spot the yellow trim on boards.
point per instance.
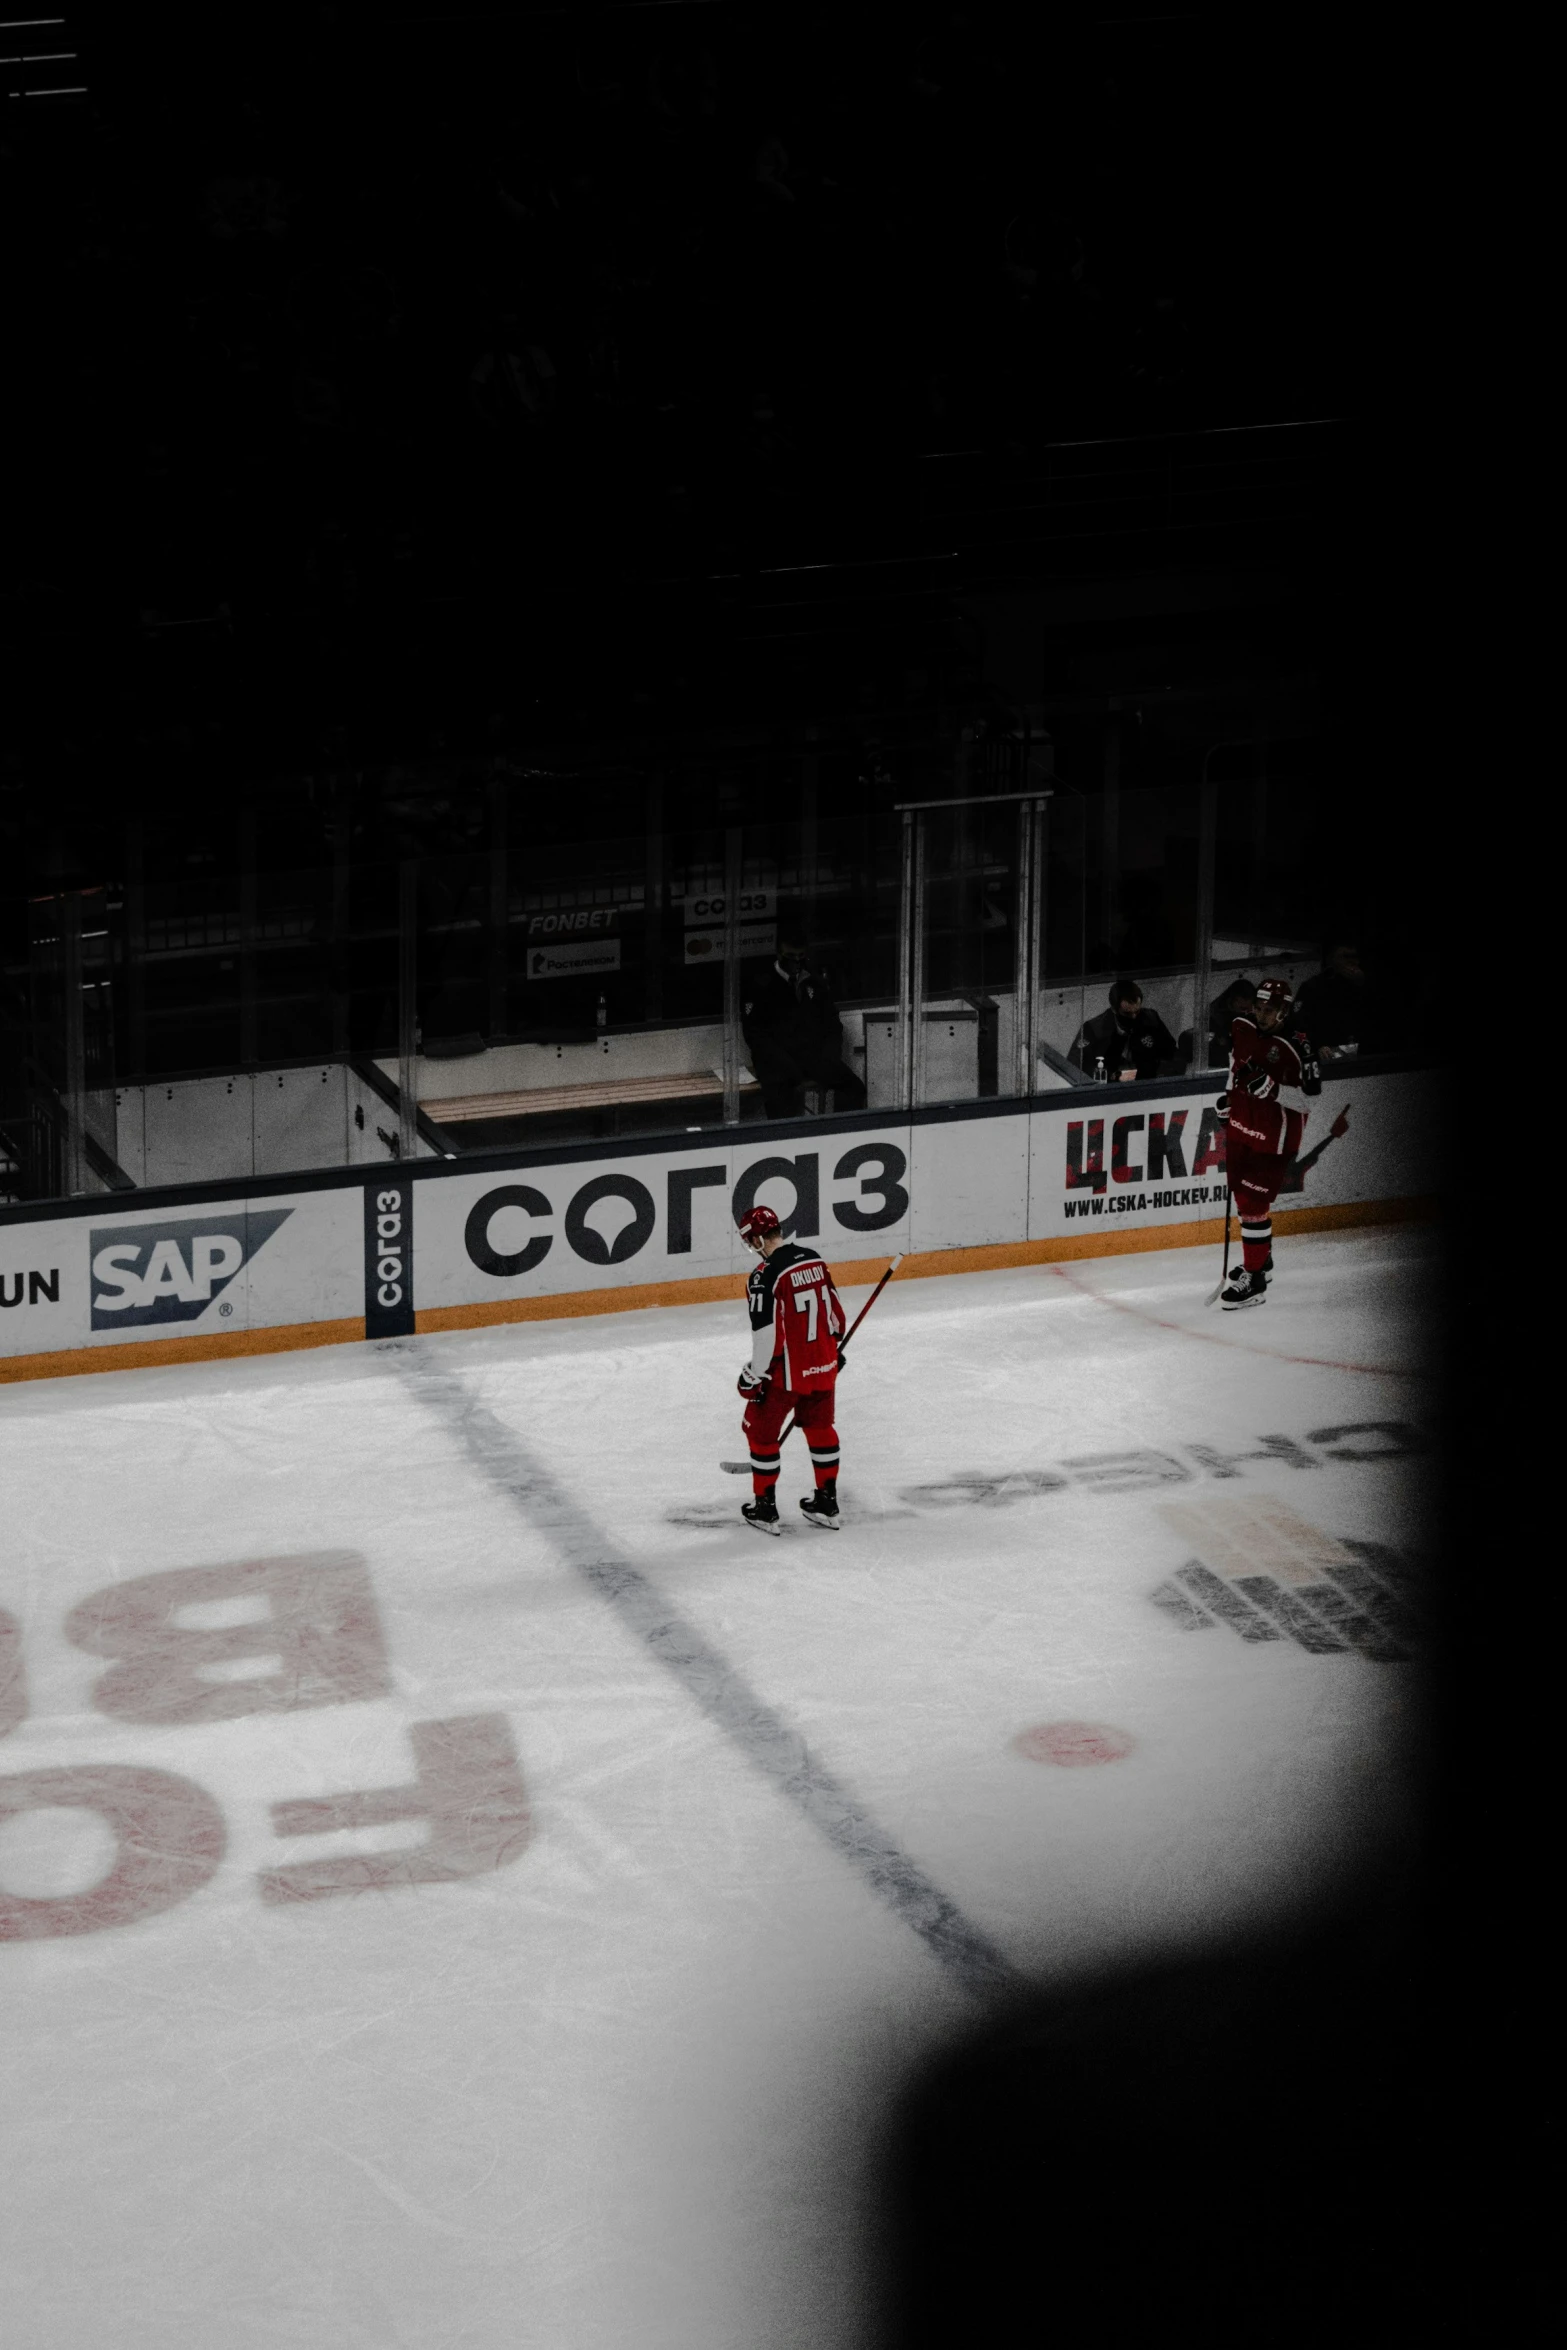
(283, 1338)
(917, 1266)
(215, 1346)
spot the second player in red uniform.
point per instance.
(1273, 1073)
(796, 1322)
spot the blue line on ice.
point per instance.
(722, 1693)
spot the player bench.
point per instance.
(604, 1093)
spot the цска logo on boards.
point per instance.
(172, 1272)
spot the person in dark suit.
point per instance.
(794, 1036)
(1130, 1038)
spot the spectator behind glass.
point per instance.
(794, 1036)
(1131, 1039)
(1333, 1007)
(1239, 996)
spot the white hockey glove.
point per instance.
(751, 1384)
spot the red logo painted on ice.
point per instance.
(1073, 1744)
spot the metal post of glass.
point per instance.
(407, 1007)
(732, 1037)
(70, 951)
(653, 903)
(1202, 976)
(136, 951)
(1041, 902)
(1022, 953)
(342, 970)
(905, 966)
(809, 843)
(248, 930)
(916, 1048)
(1028, 966)
(498, 1017)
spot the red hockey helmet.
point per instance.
(756, 1225)
(1274, 991)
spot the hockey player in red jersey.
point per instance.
(1273, 1073)
(797, 1322)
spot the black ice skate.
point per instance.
(762, 1513)
(1243, 1289)
(821, 1509)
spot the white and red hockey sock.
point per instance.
(824, 1460)
(1256, 1241)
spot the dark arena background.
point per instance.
(612, 615)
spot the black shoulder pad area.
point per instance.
(792, 1253)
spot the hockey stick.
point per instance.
(869, 1302)
(1213, 1295)
(743, 1468)
(1299, 1169)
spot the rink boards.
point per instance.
(198, 1272)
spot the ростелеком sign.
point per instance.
(573, 958)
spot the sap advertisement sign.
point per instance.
(144, 1273)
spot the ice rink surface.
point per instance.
(609, 2074)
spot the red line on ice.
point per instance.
(1230, 1345)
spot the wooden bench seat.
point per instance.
(603, 1094)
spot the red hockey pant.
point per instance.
(764, 1422)
(1255, 1177)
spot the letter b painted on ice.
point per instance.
(280, 1634)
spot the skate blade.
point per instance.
(822, 1525)
(760, 1526)
(1238, 1305)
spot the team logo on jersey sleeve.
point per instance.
(145, 1273)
